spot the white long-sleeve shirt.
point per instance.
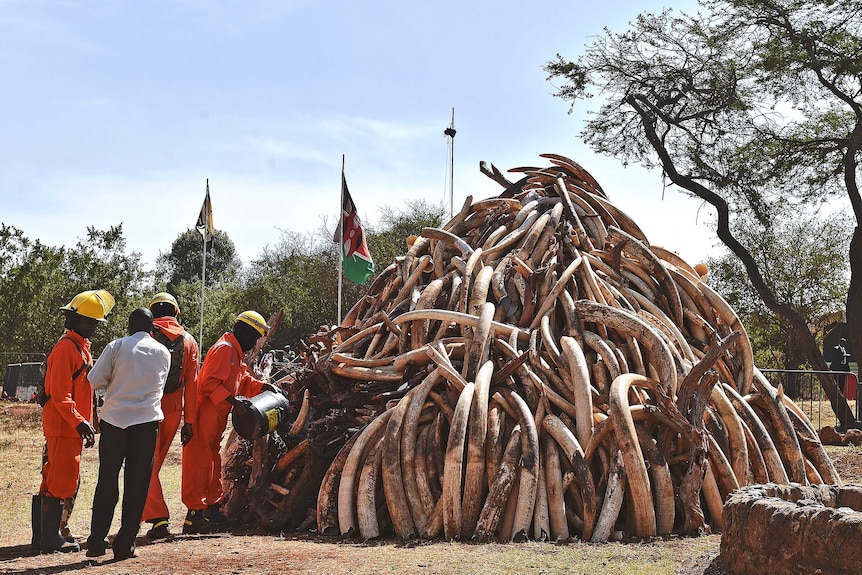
(132, 370)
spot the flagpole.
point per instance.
(340, 239)
(203, 290)
(203, 277)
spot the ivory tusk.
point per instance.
(638, 480)
(453, 467)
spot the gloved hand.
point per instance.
(186, 434)
(86, 431)
(239, 403)
(271, 387)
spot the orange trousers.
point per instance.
(61, 472)
(155, 507)
(202, 459)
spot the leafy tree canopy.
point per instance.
(300, 274)
(184, 261)
(804, 261)
(36, 280)
(387, 240)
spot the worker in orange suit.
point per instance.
(179, 402)
(223, 385)
(66, 414)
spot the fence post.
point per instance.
(798, 378)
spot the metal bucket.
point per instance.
(262, 417)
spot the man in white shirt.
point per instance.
(132, 370)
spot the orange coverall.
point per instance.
(223, 374)
(70, 403)
(178, 405)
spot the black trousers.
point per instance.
(134, 447)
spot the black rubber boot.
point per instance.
(51, 540)
(36, 520)
(214, 514)
(197, 523)
(159, 529)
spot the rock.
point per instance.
(792, 529)
(828, 436)
(853, 437)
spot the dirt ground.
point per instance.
(242, 552)
(247, 552)
(848, 461)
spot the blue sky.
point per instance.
(118, 112)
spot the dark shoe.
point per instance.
(122, 554)
(96, 551)
(51, 540)
(159, 529)
(196, 523)
(96, 548)
(36, 520)
(66, 534)
(214, 514)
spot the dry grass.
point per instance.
(21, 442)
(820, 411)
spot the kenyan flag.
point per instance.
(357, 262)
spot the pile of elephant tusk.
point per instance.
(540, 371)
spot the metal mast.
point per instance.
(450, 180)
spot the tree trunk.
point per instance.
(854, 295)
(797, 323)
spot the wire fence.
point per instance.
(21, 374)
(804, 387)
(7, 357)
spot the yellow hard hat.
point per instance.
(253, 319)
(95, 304)
(165, 297)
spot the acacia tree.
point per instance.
(744, 103)
(811, 275)
(99, 261)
